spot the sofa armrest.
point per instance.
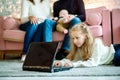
(2, 43)
(116, 25)
(106, 24)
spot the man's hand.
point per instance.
(71, 17)
(68, 19)
(55, 19)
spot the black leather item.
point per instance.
(40, 57)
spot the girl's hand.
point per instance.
(57, 64)
(33, 20)
(69, 64)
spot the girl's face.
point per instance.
(78, 38)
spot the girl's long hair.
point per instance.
(86, 48)
(33, 1)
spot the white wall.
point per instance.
(110, 4)
(13, 7)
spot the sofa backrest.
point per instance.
(99, 21)
(10, 23)
(116, 26)
(94, 16)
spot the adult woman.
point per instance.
(33, 14)
(76, 10)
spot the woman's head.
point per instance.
(33, 1)
(82, 39)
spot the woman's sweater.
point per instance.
(101, 55)
(40, 10)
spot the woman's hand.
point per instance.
(57, 64)
(33, 20)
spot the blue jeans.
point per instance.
(34, 33)
(50, 26)
(116, 60)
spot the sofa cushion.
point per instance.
(14, 35)
(18, 35)
(96, 30)
(93, 18)
(10, 23)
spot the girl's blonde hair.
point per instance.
(86, 48)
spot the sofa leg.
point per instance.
(2, 55)
(11, 54)
(5, 53)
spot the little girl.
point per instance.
(87, 51)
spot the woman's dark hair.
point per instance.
(33, 1)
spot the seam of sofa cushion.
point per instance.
(14, 40)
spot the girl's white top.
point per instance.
(101, 55)
(40, 10)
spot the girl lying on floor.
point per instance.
(87, 51)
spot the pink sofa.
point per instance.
(11, 38)
(99, 21)
(116, 26)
